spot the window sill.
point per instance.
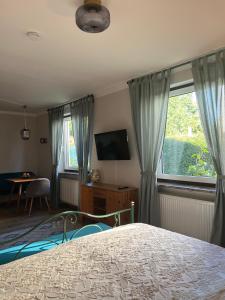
(206, 192)
(70, 171)
(69, 174)
(195, 180)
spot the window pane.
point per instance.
(185, 151)
(69, 146)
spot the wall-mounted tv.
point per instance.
(112, 145)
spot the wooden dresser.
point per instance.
(102, 198)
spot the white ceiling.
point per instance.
(66, 63)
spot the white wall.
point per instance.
(113, 112)
(17, 155)
(44, 154)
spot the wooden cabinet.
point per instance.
(100, 199)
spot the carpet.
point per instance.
(37, 244)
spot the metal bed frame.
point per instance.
(71, 216)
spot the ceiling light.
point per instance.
(33, 35)
(92, 16)
(25, 132)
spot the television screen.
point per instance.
(112, 145)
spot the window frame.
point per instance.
(176, 91)
(66, 166)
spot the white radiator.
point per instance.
(187, 216)
(69, 191)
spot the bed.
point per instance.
(135, 261)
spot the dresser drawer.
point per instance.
(104, 199)
(114, 202)
(99, 193)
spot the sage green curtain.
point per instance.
(149, 102)
(209, 81)
(56, 137)
(82, 115)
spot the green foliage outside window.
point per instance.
(72, 150)
(185, 150)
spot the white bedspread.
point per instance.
(135, 261)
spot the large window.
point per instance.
(70, 158)
(185, 153)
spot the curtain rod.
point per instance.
(182, 63)
(69, 102)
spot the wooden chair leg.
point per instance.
(11, 193)
(19, 196)
(31, 204)
(40, 199)
(47, 203)
(26, 204)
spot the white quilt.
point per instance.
(135, 261)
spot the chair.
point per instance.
(39, 188)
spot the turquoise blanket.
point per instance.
(9, 254)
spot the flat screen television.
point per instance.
(112, 145)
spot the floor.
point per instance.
(18, 231)
(12, 219)
(14, 223)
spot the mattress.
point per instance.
(135, 261)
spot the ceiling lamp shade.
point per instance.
(92, 16)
